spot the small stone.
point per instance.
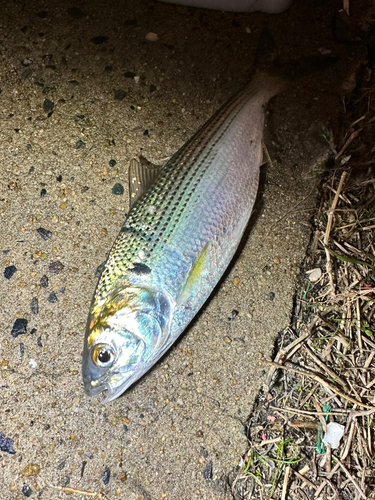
(276, 260)
(44, 233)
(6, 444)
(59, 178)
(207, 473)
(39, 342)
(106, 476)
(62, 206)
(52, 298)
(233, 315)
(152, 88)
(22, 348)
(112, 163)
(32, 331)
(120, 95)
(98, 40)
(84, 189)
(227, 340)
(123, 477)
(44, 281)
(55, 267)
(9, 271)
(118, 189)
(34, 305)
(61, 465)
(19, 327)
(271, 296)
(236, 281)
(99, 269)
(26, 62)
(31, 470)
(152, 37)
(65, 481)
(80, 144)
(54, 219)
(314, 274)
(129, 74)
(48, 105)
(43, 192)
(27, 491)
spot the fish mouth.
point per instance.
(118, 384)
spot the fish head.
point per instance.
(124, 335)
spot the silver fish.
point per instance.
(185, 224)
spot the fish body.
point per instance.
(180, 235)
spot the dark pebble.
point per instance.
(106, 476)
(233, 315)
(55, 267)
(271, 296)
(80, 144)
(152, 88)
(73, 82)
(52, 297)
(9, 271)
(22, 348)
(44, 233)
(34, 305)
(207, 473)
(39, 342)
(48, 105)
(62, 289)
(61, 465)
(145, 132)
(6, 444)
(27, 491)
(32, 331)
(65, 481)
(112, 163)
(120, 95)
(47, 427)
(44, 281)
(76, 13)
(118, 189)
(141, 416)
(129, 74)
(19, 327)
(125, 427)
(59, 178)
(43, 192)
(31, 169)
(98, 40)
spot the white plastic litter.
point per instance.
(314, 274)
(269, 6)
(334, 434)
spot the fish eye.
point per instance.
(103, 355)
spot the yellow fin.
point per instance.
(195, 273)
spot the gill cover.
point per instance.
(122, 336)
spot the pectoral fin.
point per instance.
(196, 272)
(142, 174)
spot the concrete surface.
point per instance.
(178, 433)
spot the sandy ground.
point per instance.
(82, 92)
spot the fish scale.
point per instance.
(176, 243)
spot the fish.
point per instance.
(185, 223)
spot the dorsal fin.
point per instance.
(142, 174)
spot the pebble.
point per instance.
(44, 233)
(120, 95)
(118, 189)
(22, 348)
(31, 470)
(236, 281)
(112, 163)
(207, 473)
(55, 267)
(26, 62)
(80, 144)
(99, 269)
(9, 271)
(61, 465)
(276, 260)
(106, 476)
(59, 178)
(44, 281)
(65, 481)
(152, 37)
(39, 342)
(314, 274)
(233, 315)
(98, 40)
(43, 192)
(52, 298)
(19, 327)
(129, 74)
(6, 444)
(27, 491)
(34, 305)
(271, 296)
(48, 105)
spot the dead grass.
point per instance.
(324, 369)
